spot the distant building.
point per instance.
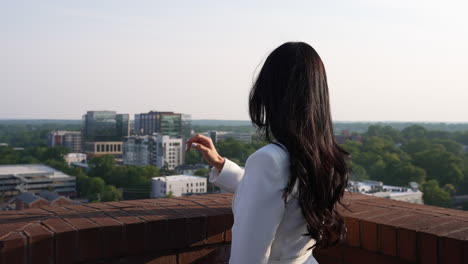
(410, 194)
(346, 135)
(54, 198)
(139, 150)
(218, 136)
(29, 200)
(162, 123)
(69, 139)
(104, 132)
(190, 169)
(75, 157)
(156, 150)
(34, 178)
(178, 185)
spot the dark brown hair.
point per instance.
(289, 103)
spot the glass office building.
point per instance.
(105, 126)
(164, 123)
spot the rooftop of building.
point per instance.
(49, 196)
(181, 177)
(32, 169)
(197, 229)
(63, 132)
(27, 197)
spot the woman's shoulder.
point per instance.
(272, 152)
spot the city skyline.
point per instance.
(386, 60)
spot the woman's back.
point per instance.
(266, 230)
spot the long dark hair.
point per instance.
(289, 103)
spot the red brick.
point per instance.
(369, 235)
(353, 238)
(134, 235)
(407, 244)
(229, 223)
(13, 248)
(66, 240)
(335, 253)
(215, 227)
(387, 240)
(89, 246)
(428, 240)
(451, 247)
(196, 230)
(111, 233)
(161, 259)
(203, 256)
(41, 247)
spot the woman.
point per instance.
(286, 198)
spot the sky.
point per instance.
(386, 60)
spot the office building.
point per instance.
(34, 178)
(163, 123)
(218, 136)
(139, 150)
(69, 139)
(177, 185)
(410, 194)
(104, 132)
(157, 150)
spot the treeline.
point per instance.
(31, 135)
(435, 159)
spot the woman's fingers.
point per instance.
(198, 138)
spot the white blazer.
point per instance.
(264, 230)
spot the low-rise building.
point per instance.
(54, 198)
(410, 194)
(69, 139)
(157, 150)
(177, 185)
(34, 178)
(28, 200)
(75, 157)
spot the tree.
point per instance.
(110, 194)
(440, 165)
(414, 131)
(101, 166)
(434, 195)
(202, 172)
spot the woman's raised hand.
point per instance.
(205, 146)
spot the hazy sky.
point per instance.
(386, 60)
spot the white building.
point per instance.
(157, 150)
(218, 136)
(75, 157)
(16, 179)
(410, 194)
(178, 185)
(69, 139)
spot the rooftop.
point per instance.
(197, 229)
(181, 177)
(29, 169)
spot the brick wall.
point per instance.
(196, 229)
